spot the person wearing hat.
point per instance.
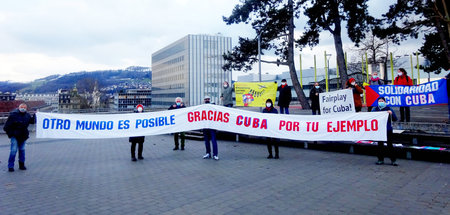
(271, 141)
(390, 149)
(210, 136)
(137, 140)
(178, 104)
(357, 91)
(285, 97)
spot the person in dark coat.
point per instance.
(16, 127)
(210, 136)
(178, 136)
(314, 96)
(227, 94)
(285, 97)
(137, 140)
(357, 91)
(271, 141)
(448, 93)
(390, 149)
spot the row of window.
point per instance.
(170, 79)
(169, 95)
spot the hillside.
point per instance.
(108, 81)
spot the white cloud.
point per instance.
(25, 67)
(44, 37)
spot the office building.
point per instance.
(190, 68)
(127, 100)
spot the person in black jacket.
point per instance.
(178, 104)
(314, 96)
(390, 149)
(137, 140)
(271, 141)
(16, 127)
(285, 97)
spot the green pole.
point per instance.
(301, 72)
(362, 65)
(392, 68)
(367, 69)
(418, 72)
(315, 69)
(337, 74)
(346, 66)
(326, 71)
(412, 68)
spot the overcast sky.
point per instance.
(44, 37)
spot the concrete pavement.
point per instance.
(97, 177)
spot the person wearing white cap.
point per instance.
(210, 135)
(178, 104)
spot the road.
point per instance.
(97, 177)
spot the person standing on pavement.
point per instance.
(314, 96)
(374, 80)
(210, 136)
(271, 141)
(403, 79)
(227, 95)
(357, 91)
(448, 93)
(178, 136)
(382, 152)
(16, 127)
(137, 140)
(285, 97)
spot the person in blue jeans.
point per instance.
(285, 97)
(16, 127)
(210, 136)
(390, 149)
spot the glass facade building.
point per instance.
(190, 68)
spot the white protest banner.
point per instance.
(336, 102)
(344, 127)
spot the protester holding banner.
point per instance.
(227, 95)
(314, 96)
(271, 141)
(403, 79)
(210, 135)
(178, 104)
(357, 91)
(374, 80)
(285, 97)
(390, 149)
(137, 140)
(16, 127)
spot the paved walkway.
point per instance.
(97, 177)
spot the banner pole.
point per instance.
(418, 71)
(392, 69)
(301, 72)
(337, 74)
(326, 71)
(315, 69)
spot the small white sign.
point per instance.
(337, 102)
